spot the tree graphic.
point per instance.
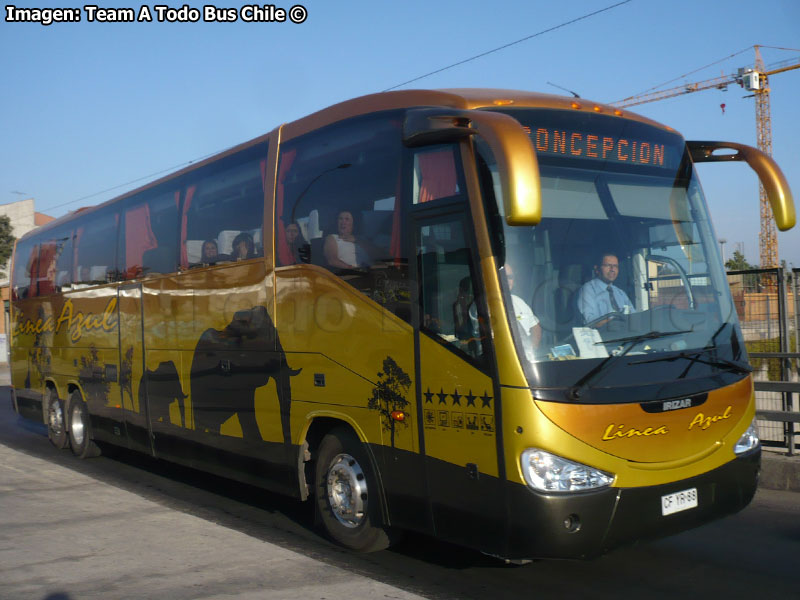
(92, 377)
(389, 394)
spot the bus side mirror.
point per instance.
(768, 171)
(512, 148)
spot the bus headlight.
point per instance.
(748, 441)
(546, 472)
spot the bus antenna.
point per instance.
(563, 88)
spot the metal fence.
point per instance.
(768, 304)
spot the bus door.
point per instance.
(131, 360)
(456, 393)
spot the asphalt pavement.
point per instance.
(66, 535)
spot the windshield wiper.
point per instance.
(574, 393)
(694, 357)
(650, 335)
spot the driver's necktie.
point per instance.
(614, 304)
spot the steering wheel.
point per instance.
(605, 320)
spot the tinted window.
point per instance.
(25, 256)
(450, 307)
(64, 238)
(43, 265)
(55, 261)
(339, 206)
(95, 239)
(149, 243)
(224, 207)
(435, 174)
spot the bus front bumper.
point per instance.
(588, 524)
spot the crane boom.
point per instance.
(757, 81)
(721, 83)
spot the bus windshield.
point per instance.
(621, 284)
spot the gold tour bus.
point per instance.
(495, 317)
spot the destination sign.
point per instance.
(587, 145)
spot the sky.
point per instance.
(90, 110)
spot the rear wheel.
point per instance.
(347, 494)
(56, 423)
(80, 428)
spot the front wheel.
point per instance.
(347, 494)
(80, 428)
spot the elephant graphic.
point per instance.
(162, 387)
(229, 365)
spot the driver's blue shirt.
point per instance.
(594, 300)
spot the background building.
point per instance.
(23, 217)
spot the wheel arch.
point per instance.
(317, 428)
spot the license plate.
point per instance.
(684, 500)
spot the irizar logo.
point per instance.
(676, 404)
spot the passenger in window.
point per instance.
(463, 325)
(243, 247)
(600, 297)
(298, 246)
(530, 330)
(210, 253)
(465, 318)
(343, 250)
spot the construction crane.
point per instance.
(754, 80)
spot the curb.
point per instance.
(779, 472)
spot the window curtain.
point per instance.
(139, 238)
(437, 175)
(187, 203)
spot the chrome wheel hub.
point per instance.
(347, 490)
(77, 424)
(56, 417)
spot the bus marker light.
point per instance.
(398, 415)
(576, 105)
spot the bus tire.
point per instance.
(80, 428)
(56, 423)
(346, 494)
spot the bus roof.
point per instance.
(459, 98)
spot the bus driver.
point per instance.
(600, 297)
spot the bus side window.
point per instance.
(95, 256)
(341, 188)
(435, 175)
(64, 238)
(149, 244)
(46, 280)
(449, 305)
(221, 203)
(23, 259)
